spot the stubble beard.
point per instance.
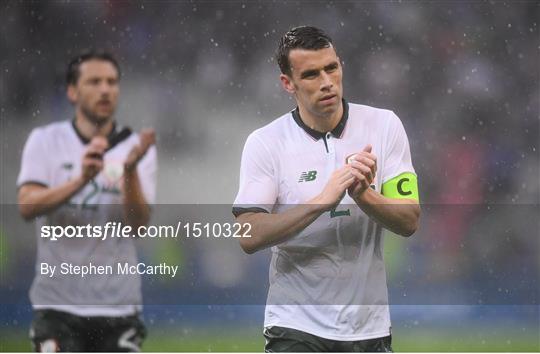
(94, 119)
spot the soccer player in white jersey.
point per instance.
(318, 185)
(88, 170)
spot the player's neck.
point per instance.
(321, 124)
(89, 129)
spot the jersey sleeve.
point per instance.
(34, 165)
(147, 171)
(398, 175)
(258, 179)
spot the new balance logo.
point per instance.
(307, 176)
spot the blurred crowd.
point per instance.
(463, 76)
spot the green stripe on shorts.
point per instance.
(404, 186)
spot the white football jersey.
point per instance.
(328, 280)
(52, 155)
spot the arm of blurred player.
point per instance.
(36, 200)
(136, 208)
(271, 229)
(397, 215)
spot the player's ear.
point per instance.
(287, 83)
(72, 93)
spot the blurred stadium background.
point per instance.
(463, 76)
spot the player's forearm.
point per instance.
(397, 215)
(35, 200)
(136, 209)
(272, 229)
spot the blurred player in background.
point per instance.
(318, 184)
(88, 170)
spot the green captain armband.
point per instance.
(404, 186)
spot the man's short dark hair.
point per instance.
(303, 37)
(73, 72)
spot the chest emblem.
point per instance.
(112, 174)
(307, 176)
(67, 166)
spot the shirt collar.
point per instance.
(315, 134)
(84, 140)
(116, 136)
